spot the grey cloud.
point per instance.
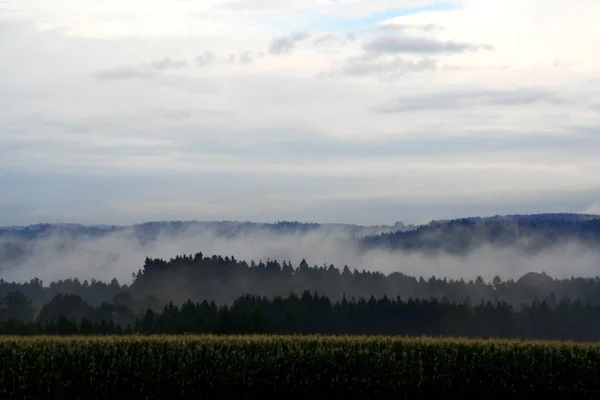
(148, 69)
(232, 59)
(123, 73)
(419, 45)
(141, 71)
(245, 58)
(380, 56)
(242, 58)
(285, 44)
(330, 42)
(206, 59)
(327, 38)
(460, 99)
(168, 63)
(369, 64)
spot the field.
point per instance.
(170, 367)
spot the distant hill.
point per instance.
(150, 230)
(526, 217)
(530, 233)
(539, 217)
(17, 242)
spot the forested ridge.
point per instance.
(461, 236)
(527, 233)
(224, 279)
(149, 231)
(201, 294)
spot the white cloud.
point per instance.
(525, 33)
(181, 88)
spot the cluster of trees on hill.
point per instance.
(463, 235)
(223, 279)
(309, 313)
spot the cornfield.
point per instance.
(202, 367)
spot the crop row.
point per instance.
(303, 367)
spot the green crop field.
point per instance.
(197, 367)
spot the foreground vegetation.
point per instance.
(302, 367)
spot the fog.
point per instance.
(121, 253)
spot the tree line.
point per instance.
(224, 279)
(308, 313)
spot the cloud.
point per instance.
(461, 99)
(147, 70)
(143, 70)
(419, 45)
(271, 123)
(285, 44)
(333, 44)
(205, 59)
(380, 57)
(245, 57)
(120, 73)
(328, 39)
(367, 65)
(168, 63)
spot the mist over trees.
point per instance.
(150, 231)
(563, 245)
(223, 279)
(529, 234)
(196, 292)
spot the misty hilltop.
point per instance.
(527, 233)
(568, 223)
(504, 263)
(152, 229)
(509, 246)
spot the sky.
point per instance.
(359, 111)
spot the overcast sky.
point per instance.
(363, 111)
